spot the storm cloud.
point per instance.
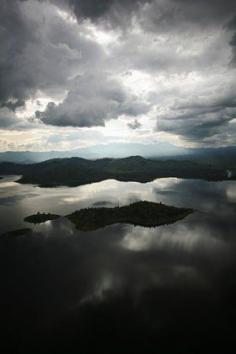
(39, 51)
(169, 64)
(94, 99)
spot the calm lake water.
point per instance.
(121, 289)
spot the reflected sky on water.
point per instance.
(22, 200)
(120, 288)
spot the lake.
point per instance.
(123, 288)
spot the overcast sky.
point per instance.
(77, 73)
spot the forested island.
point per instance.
(143, 213)
(77, 171)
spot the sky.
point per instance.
(81, 73)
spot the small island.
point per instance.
(18, 232)
(143, 213)
(41, 217)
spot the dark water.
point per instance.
(121, 289)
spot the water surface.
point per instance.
(120, 289)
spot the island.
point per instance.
(142, 213)
(41, 217)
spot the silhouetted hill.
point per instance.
(77, 171)
(143, 213)
(160, 150)
(11, 168)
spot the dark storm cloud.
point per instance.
(98, 8)
(232, 27)
(175, 42)
(112, 11)
(160, 12)
(95, 98)
(163, 14)
(7, 118)
(200, 120)
(204, 124)
(14, 85)
(39, 51)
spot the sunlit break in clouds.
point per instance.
(78, 74)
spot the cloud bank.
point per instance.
(169, 64)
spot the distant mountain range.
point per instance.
(115, 150)
(225, 156)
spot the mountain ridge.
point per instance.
(77, 171)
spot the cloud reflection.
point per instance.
(122, 283)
